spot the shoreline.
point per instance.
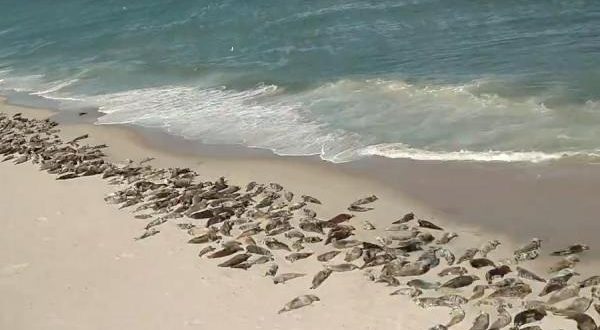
(553, 200)
(85, 233)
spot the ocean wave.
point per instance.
(255, 118)
(347, 119)
(57, 86)
(350, 119)
(400, 150)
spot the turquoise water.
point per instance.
(426, 79)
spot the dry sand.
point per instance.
(69, 261)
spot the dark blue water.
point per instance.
(425, 79)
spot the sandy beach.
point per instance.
(69, 261)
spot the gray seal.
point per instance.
(481, 322)
(282, 278)
(299, 302)
(320, 277)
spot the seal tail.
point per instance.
(282, 310)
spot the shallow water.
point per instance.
(422, 79)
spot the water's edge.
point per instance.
(556, 201)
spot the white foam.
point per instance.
(350, 119)
(399, 150)
(254, 117)
(57, 86)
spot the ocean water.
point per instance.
(488, 80)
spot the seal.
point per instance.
(535, 244)
(565, 293)
(413, 269)
(294, 233)
(243, 265)
(342, 267)
(460, 281)
(320, 277)
(276, 186)
(274, 244)
(532, 327)
(590, 281)
(342, 217)
(529, 316)
(429, 225)
(502, 320)
(345, 244)
(529, 275)
(411, 292)
(258, 250)
(451, 300)
(446, 238)
(356, 208)
(236, 259)
(488, 247)
(272, 271)
(339, 233)
(584, 321)
(309, 213)
(468, 255)
(312, 239)
(251, 185)
(421, 284)
(226, 251)
(297, 245)
(481, 322)
(531, 255)
(355, 253)
(148, 233)
(206, 250)
(571, 249)
(496, 272)
(311, 226)
(226, 227)
(577, 305)
(457, 315)
(288, 195)
(248, 240)
(299, 302)
(293, 257)
(439, 327)
(481, 262)
(558, 282)
(296, 206)
(455, 270)
(282, 278)
(478, 292)
(519, 290)
(310, 199)
(406, 218)
(324, 257)
(390, 280)
(401, 227)
(368, 225)
(568, 262)
(365, 200)
(259, 260)
(156, 222)
(447, 255)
